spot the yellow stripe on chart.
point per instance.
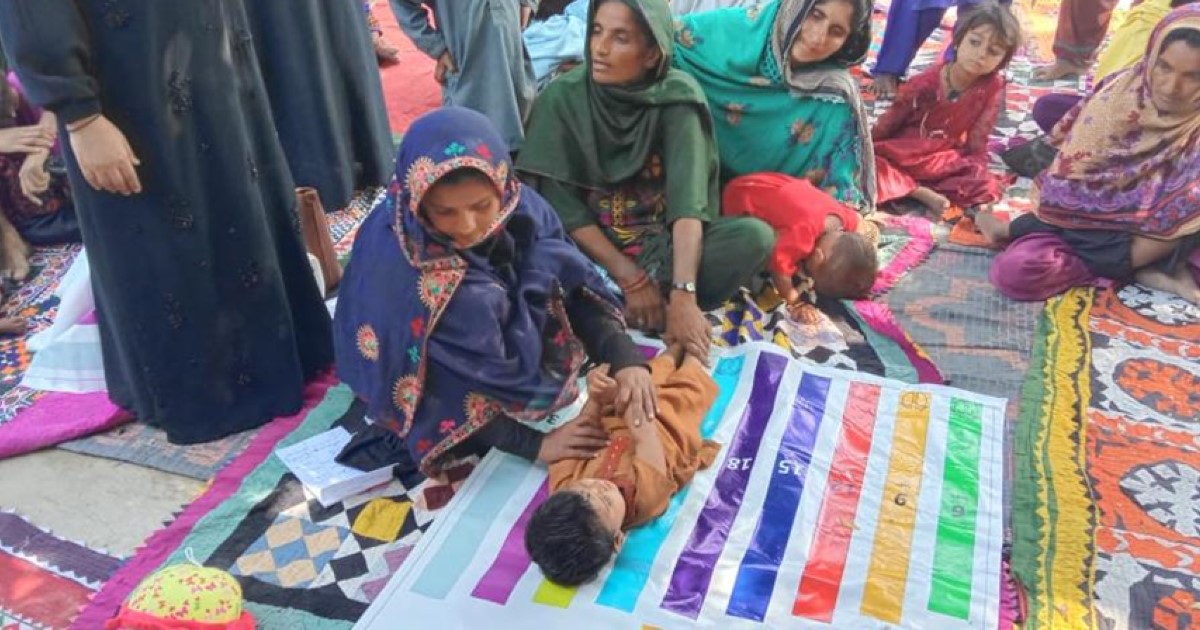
(550, 594)
(887, 577)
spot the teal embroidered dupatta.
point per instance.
(806, 122)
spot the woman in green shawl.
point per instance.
(778, 83)
(623, 148)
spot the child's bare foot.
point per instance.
(884, 85)
(993, 228)
(1060, 69)
(13, 325)
(935, 201)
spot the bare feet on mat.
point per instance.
(14, 253)
(385, 51)
(884, 85)
(12, 325)
(1060, 69)
(931, 199)
(993, 228)
(1181, 283)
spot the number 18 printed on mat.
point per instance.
(838, 500)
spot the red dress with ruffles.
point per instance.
(925, 139)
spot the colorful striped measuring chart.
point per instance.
(838, 501)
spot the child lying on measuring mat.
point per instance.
(581, 526)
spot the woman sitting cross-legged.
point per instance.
(623, 148)
(465, 310)
(1122, 199)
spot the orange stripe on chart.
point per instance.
(817, 596)
(883, 596)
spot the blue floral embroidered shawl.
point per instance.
(439, 341)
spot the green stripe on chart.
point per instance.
(954, 553)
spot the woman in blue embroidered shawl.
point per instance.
(465, 310)
(783, 100)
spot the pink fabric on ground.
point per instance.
(1038, 266)
(57, 418)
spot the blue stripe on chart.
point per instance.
(444, 570)
(694, 569)
(632, 567)
(760, 566)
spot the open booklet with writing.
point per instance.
(314, 463)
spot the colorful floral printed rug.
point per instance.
(1106, 515)
(45, 580)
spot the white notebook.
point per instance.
(313, 462)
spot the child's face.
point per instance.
(981, 51)
(462, 212)
(605, 498)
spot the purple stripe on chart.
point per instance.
(694, 569)
(760, 566)
(513, 561)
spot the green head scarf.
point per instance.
(594, 136)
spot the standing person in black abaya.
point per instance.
(210, 320)
(321, 73)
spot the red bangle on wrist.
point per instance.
(642, 280)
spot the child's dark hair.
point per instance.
(1175, 4)
(851, 269)
(567, 540)
(1004, 24)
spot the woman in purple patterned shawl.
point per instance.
(1121, 201)
(465, 311)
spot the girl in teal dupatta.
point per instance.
(778, 83)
